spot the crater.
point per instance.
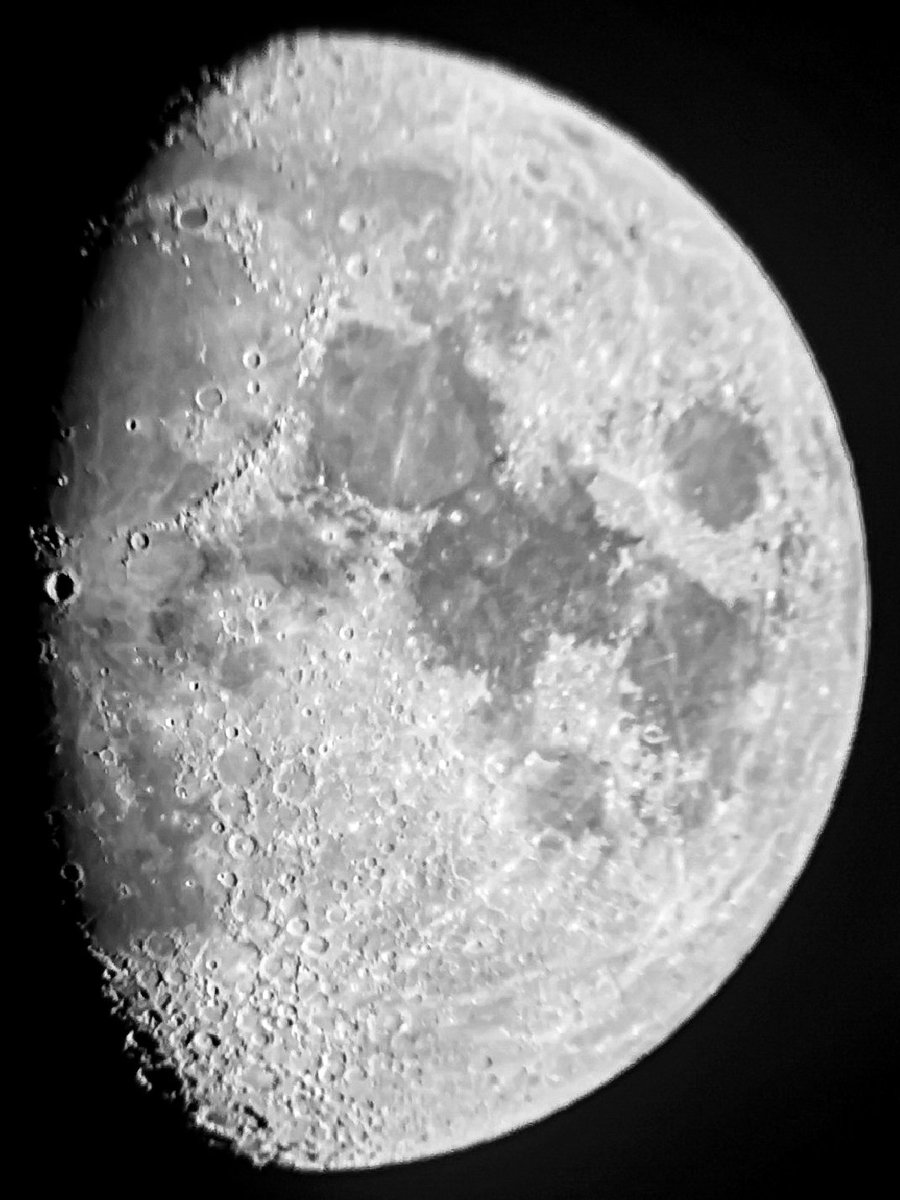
(60, 586)
(193, 218)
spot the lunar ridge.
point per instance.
(455, 603)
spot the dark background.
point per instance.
(784, 1082)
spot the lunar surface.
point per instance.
(456, 604)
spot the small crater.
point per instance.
(73, 873)
(356, 266)
(314, 944)
(209, 398)
(241, 845)
(242, 666)
(193, 218)
(60, 586)
(352, 220)
(238, 766)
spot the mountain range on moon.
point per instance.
(451, 563)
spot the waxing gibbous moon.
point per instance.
(456, 604)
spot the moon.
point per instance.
(456, 604)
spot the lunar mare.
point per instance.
(456, 604)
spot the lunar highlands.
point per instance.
(456, 606)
